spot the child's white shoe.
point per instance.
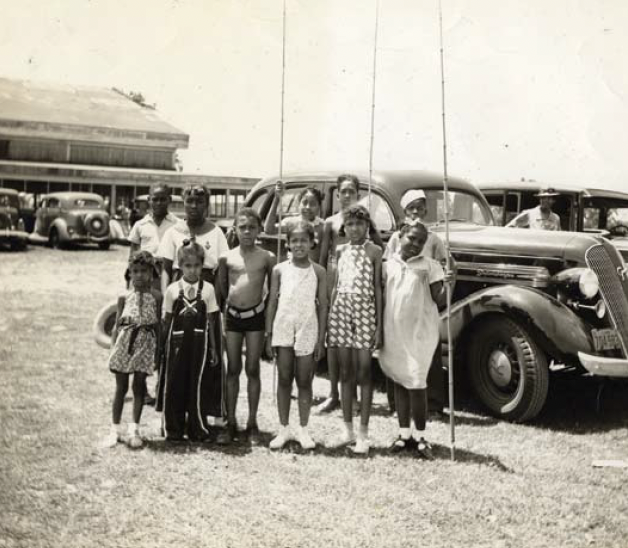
(346, 438)
(134, 441)
(280, 439)
(362, 446)
(114, 436)
(306, 441)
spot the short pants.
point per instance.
(352, 322)
(233, 322)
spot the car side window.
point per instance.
(53, 202)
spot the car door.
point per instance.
(49, 214)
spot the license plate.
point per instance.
(605, 339)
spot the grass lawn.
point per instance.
(512, 485)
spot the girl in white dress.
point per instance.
(295, 328)
(413, 291)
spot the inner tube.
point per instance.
(103, 324)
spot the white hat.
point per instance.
(411, 196)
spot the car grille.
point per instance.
(604, 260)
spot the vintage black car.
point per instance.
(64, 218)
(523, 299)
(11, 224)
(590, 210)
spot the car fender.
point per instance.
(61, 226)
(556, 328)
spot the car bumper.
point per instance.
(13, 235)
(604, 367)
(85, 239)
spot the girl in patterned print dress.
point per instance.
(295, 328)
(355, 319)
(135, 343)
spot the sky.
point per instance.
(533, 89)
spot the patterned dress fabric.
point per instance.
(296, 322)
(352, 321)
(134, 349)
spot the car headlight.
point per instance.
(588, 283)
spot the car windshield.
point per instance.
(463, 207)
(87, 203)
(9, 200)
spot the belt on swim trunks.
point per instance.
(244, 314)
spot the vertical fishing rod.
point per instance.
(373, 102)
(281, 133)
(450, 353)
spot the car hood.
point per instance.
(568, 246)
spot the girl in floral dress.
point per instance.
(135, 343)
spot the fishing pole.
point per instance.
(281, 150)
(450, 353)
(372, 138)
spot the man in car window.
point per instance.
(540, 217)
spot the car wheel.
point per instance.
(104, 245)
(104, 323)
(54, 240)
(508, 371)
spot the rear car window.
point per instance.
(87, 203)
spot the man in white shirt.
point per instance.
(540, 217)
(147, 232)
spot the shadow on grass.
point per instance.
(582, 405)
(441, 453)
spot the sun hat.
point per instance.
(547, 193)
(411, 196)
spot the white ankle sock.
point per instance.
(363, 432)
(133, 428)
(405, 433)
(349, 428)
(418, 434)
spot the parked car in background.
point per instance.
(523, 299)
(65, 218)
(11, 224)
(591, 210)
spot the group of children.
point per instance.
(367, 298)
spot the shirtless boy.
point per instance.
(242, 273)
(348, 188)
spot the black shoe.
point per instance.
(253, 435)
(228, 436)
(175, 439)
(399, 445)
(424, 450)
(149, 400)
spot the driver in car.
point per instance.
(540, 217)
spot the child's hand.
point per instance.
(269, 347)
(279, 188)
(379, 341)
(319, 351)
(450, 276)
